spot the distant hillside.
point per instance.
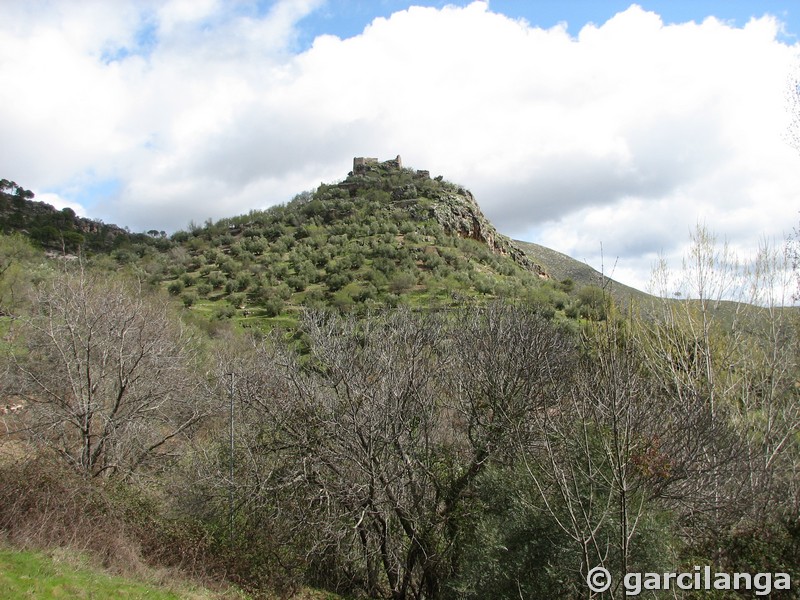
(53, 229)
(562, 267)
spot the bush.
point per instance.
(243, 281)
(402, 282)
(224, 312)
(297, 282)
(594, 303)
(189, 299)
(337, 281)
(44, 504)
(175, 288)
(273, 307)
(216, 279)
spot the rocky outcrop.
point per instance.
(459, 214)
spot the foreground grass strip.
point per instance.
(31, 575)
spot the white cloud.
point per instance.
(59, 203)
(627, 134)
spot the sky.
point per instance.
(602, 129)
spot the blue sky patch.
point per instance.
(347, 18)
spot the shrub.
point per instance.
(273, 307)
(189, 299)
(224, 312)
(297, 282)
(402, 282)
(175, 288)
(337, 281)
(594, 303)
(216, 279)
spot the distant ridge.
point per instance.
(561, 267)
(56, 230)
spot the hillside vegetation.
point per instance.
(565, 268)
(385, 236)
(369, 392)
(57, 230)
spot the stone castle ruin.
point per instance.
(363, 163)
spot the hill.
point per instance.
(57, 230)
(383, 236)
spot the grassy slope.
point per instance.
(58, 574)
(34, 575)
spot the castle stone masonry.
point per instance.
(363, 163)
(360, 162)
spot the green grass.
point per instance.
(35, 575)
(60, 574)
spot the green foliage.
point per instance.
(62, 230)
(510, 550)
(402, 282)
(592, 303)
(175, 288)
(189, 299)
(19, 263)
(223, 311)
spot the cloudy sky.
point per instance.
(575, 124)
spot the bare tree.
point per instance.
(727, 351)
(105, 372)
(388, 422)
(793, 107)
(767, 409)
(602, 456)
(366, 432)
